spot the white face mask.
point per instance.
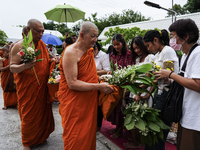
(174, 45)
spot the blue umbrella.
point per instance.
(51, 39)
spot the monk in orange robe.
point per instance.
(78, 91)
(10, 98)
(35, 110)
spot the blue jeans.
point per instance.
(158, 104)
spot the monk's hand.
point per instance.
(30, 64)
(163, 73)
(106, 88)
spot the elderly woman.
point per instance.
(186, 33)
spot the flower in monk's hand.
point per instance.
(57, 78)
(106, 77)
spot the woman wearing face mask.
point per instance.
(156, 41)
(186, 33)
(122, 56)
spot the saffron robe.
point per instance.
(10, 98)
(78, 109)
(35, 109)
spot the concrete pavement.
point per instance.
(10, 132)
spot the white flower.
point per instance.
(30, 50)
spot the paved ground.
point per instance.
(10, 135)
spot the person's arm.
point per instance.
(2, 68)
(70, 69)
(193, 84)
(15, 60)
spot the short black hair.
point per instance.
(184, 28)
(68, 41)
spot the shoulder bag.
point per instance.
(172, 107)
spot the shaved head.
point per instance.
(33, 22)
(25, 30)
(87, 26)
(37, 29)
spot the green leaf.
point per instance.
(39, 59)
(38, 52)
(111, 66)
(130, 125)
(127, 111)
(144, 81)
(30, 37)
(160, 134)
(130, 88)
(144, 68)
(154, 127)
(150, 116)
(140, 124)
(128, 119)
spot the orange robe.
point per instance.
(78, 109)
(10, 98)
(35, 109)
(1, 53)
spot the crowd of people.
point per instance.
(81, 65)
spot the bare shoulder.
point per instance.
(16, 47)
(70, 53)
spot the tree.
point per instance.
(128, 34)
(191, 6)
(178, 9)
(59, 27)
(127, 16)
(3, 37)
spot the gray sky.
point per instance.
(18, 12)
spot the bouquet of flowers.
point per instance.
(124, 78)
(129, 76)
(169, 66)
(28, 53)
(55, 76)
(53, 83)
(147, 120)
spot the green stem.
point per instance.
(36, 76)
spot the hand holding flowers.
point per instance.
(28, 53)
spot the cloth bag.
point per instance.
(172, 107)
(10, 84)
(109, 101)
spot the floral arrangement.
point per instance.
(147, 120)
(28, 52)
(129, 76)
(55, 76)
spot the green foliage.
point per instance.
(128, 34)
(191, 6)
(127, 16)
(3, 37)
(59, 27)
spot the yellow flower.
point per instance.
(50, 79)
(54, 80)
(172, 69)
(168, 69)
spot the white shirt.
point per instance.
(102, 61)
(191, 99)
(167, 54)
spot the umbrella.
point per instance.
(65, 13)
(51, 39)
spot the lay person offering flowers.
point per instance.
(28, 52)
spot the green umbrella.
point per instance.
(65, 13)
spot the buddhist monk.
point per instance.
(10, 98)
(35, 110)
(78, 91)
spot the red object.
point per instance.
(107, 126)
(50, 49)
(21, 53)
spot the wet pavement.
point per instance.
(10, 132)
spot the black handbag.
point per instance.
(172, 107)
